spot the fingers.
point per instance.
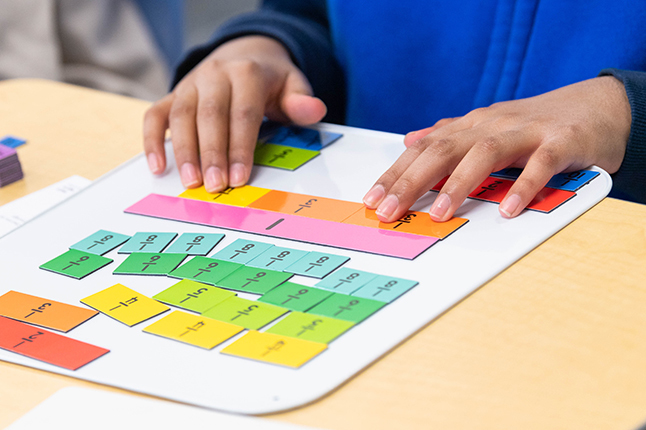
(413, 136)
(155, 126)
(182, 120)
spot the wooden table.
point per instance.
(556, 341)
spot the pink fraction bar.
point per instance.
(250, 220)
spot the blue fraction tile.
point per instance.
(101, 242)
(345, 280)
(304, 138)
(384, 288)
(12, 141)
(242, 251)
(571, 181)
(317, 264)
(195, 243)
(277, 258)
(147, 242)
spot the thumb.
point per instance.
(297, 102)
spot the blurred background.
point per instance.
(203, 16)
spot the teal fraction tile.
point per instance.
(348, 308)
(242, 251)
(147, 242)
(101, 242)
(295, 297)
(249, 314)
(205, 270)
(195, 243)
(194, 296)
(76, 264)
(317, 264)
(385, 288)
(277, 258)
(253, 280)
(149, 263)
(345, 280)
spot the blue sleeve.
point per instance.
(630, 180)
(302, 27)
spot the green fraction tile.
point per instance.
(295, 297)
(76, 264)
(147, 242)
(317, 264)
(148, 263)
(253, 280)
(311, 327)
(385, 288)
(345, 280)
(348, 308)
(195, 243)
(277, 258)
(101, 242)
(245, 313)
(205, 270)
(194, 296)
(242, 251)
(283, 157)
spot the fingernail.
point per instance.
(237, 175)
(510, 205)
(388, 207)
(153, 163)
(440, 206)
(374, 196)
(189, 175)
(213, 180)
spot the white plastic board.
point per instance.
(447, 272)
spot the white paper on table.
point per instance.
(18, 212)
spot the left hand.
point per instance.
(567, 129)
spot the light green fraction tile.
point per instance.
(147, 242)
(253, 280)
(311, 327)
(195, 243)
(101, 242)
(147, 263)
(317, 264)
(385, 288)
(242, 251)
(348, 308)
(295, 297)
(283, 157)
(194, 296)
(245, 313)
(277, 258)
(345, 280)
(205, 270)
(76, 264)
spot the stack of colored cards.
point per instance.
(10, 169)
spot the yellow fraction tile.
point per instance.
(276, 349)
(125, 305)
(193, 329)
(241, 196)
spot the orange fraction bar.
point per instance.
(413, 222)
(307, 206)
(43, 312)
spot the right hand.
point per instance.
(215, 112)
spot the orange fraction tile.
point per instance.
(307, 206)
(419, 223)
(43, 312)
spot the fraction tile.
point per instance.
(150, 264)
(193, 296)
(125, 305)
(317, 264)
(101, 242)
(253, 280)
(195, 243)
(204, 269)
(242, 251)
(412, 222)
(245, 313)
(43, 345)
(240, 196)
(300, 137)
(306, 206)
(568, 181)
(43, 312)
(76, 264)
(345, 280)
(193, 329)
(282, 157)
(12, 141)
(348, 308)
(310, 327)
(276, 349)
(147, 242)
(277, 258)
(295, 297)
(385, 288)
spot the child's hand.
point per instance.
(567, 129)
(215, 112)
